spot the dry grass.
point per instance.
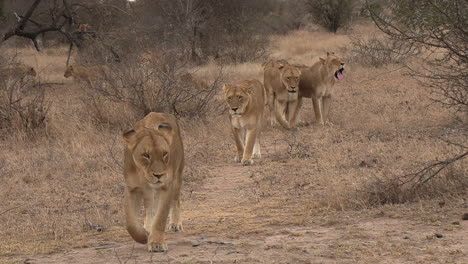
(384, 126)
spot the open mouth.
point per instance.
(339, 74)
(292, 91)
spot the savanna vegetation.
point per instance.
(386, 181)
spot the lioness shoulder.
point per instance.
(153, 165)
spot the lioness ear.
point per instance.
(225, 88)
(128, 135)
(281, 66)
(322, 60)
(167, 131)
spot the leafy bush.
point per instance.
(157, 85)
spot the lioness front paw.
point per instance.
(176, 227)
(247, 162)
(257, 155)
(157, 247)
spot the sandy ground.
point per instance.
(224, 202)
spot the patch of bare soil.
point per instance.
(227, 222)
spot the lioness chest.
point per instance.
(240, 122)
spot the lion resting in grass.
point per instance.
(317, 82)
(281, 84)
(246, 101)
(153, 165)
(19, 72)
(86, 73)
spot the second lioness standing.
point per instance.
(281, 85)
(317, 82)
(246, 102)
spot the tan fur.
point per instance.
(153, 165)
(246, 102)
(317, 83)
(20, 71)
(152, 57)
(87, 73)
(281, 84)
(190, 81)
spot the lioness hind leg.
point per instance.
(271, 106)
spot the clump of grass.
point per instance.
(431, 182)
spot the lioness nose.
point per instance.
(342, 63)
(234, 109)
(157, 175)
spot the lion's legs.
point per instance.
(249, 145)
(294, 108)
(318, 110)
(271, 106)
(132, 207)
(156, 241)
(239, 139)
(150, 200)
(326, 101)
(256, 149)
(176, 221)
(280, 108)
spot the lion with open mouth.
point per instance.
(317, 82)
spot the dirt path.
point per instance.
(223, 225)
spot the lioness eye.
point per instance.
(165, 156)
(146, 156)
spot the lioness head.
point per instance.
(334, 64)
(237, 97)
(68, 72)
(290, 77)
(151, 152)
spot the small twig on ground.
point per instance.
(8, 210)
(96, 227)
(429, 172)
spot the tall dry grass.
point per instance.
(384, 126)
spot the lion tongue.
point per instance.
(339, 75)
